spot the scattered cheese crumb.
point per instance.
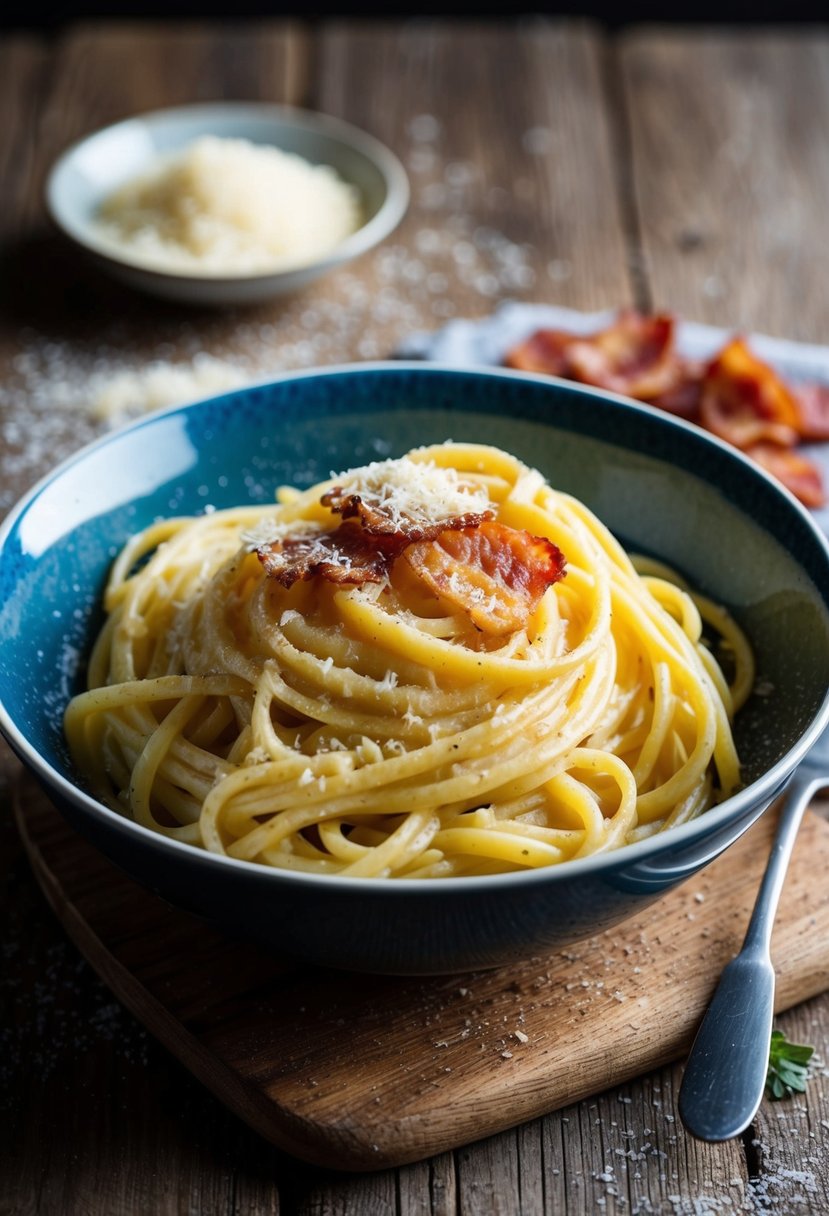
(127, 394)
(289, 614)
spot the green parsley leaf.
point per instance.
(788, 1066)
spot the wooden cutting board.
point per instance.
(361, 1072)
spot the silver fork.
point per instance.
(725, 1075)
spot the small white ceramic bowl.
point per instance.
(90, 170)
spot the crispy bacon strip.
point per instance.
(736, 396)
(495, 574)
(797, 472)
(544, 351)
(375, 521)
(634, 356)
(745, 402)
(359, 550)
(347, 555)
(683, 398)
(813, 410)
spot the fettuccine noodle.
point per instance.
(374, 730)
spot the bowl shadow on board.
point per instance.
(663, 488)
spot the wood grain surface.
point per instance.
(727, 129)
(360, 1072)
(549, 162)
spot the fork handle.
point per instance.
(725, 1075)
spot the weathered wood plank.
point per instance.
(428, 1188)
(338, 1195)
(788, 1152)
(23, 61)
(730, 166)
(107, 72)
(489, 1177)
(506, 137)
(61, 322)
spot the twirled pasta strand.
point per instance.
(368, 731)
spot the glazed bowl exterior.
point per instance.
(664, 488)
(90, 170)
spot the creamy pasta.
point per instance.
(432, 667)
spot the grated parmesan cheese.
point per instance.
(128, 394)
(406, 492)
(290, 614)
(228, 206)
(409, 489)
(271, 532)
(368, 752)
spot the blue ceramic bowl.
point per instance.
(663, 487)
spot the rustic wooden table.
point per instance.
(686, 169)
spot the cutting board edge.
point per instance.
(338, 1146)
(225, 1084)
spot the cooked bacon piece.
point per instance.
(634, 356)
(544, 351)
(745, 402)
(813, 411)
(347, 555)
(495, 574)
(797, 472)
(375, 519)
(683, 398)
(737, 396)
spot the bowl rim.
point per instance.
(737, 807)
(369, 234)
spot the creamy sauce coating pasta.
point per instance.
(375, 730)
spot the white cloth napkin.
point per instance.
(464, 343)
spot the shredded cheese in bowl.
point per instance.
(228, 206)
